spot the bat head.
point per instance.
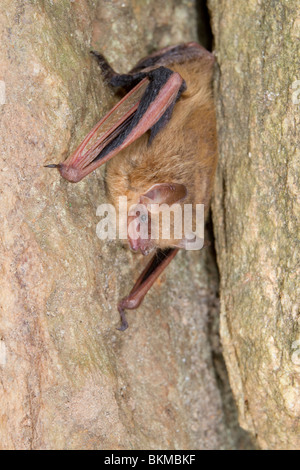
(152, 217)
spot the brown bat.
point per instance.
(168, 94)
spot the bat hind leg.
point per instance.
(151, 272)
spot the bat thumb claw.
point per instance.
(52, 165)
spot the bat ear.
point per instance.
(164, 193)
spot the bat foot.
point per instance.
(107, 70)
(124, 324)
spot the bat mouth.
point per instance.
(139, 240)
(141, 248)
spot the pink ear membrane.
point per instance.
(164, 193)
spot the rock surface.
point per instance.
(256, 211)
(69, 379)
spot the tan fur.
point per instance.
(184, 152)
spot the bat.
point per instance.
(160, 147)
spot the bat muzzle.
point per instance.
(138, 236)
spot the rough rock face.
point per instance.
(69, 379)
(256, 215)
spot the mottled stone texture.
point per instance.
(256, 211)
(69, 379)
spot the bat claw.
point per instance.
(123, 327)
(107, 70)
(124, 324)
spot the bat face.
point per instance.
(145, 231)
(159, 146)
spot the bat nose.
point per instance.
(146, 250)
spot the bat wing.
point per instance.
(147, 106)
